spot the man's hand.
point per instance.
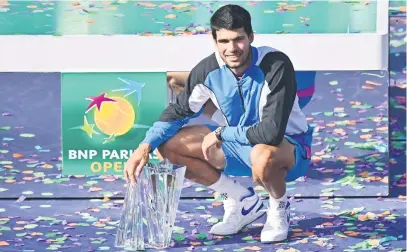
(136, 162)
(208, 141)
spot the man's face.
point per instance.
(234, 47)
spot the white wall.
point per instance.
(130, 53)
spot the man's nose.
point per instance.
(232, 46)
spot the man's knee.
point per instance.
(168, 150)
(268, 159)
(262, 156)
(187, 143)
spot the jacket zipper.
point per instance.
(241, 96)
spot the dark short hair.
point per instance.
(231, 17)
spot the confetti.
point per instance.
(27, 135)
(350, 150)
(4, 243)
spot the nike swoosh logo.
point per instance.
(246, 212)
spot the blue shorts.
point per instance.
(238, 156)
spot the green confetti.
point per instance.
(27, 135)
(47, 194)
(179, 238)
(2, 210)
(30, 226)
(330, 190)
(39, 174)
(5, 128)
(200, 189)
(3, 189)
(53, 247)
(209, 243)
(60, 240)
(90, 183)
(83, 225)
(178, 230)
(372, 74)
(104, 248)
(200, 208)
(333, 83)
(252, 241)
(213, 220)
(330, 207)
(44, 218)
(201, 236)
(247, 238)
(54, 234)
(20, 234)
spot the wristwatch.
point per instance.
(218, 133)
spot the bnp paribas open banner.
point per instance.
(105, 116)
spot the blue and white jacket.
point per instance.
(258, 108)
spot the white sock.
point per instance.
(280, 203)
(230, 187)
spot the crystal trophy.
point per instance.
(150, 207)
(129, 234)
(162, 186)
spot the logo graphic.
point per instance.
(105, 116)
(247, 211)
(112, 114)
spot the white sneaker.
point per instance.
(278, 223)
(238, 214)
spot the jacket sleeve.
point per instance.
(280, 78)
(189, 104)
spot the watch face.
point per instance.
(218, 132)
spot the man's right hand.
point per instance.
(135, 164)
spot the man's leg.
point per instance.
(270, 166)
(242, 205)
(185, 148)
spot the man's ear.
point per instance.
(251, 37)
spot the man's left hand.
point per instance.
(208, 141)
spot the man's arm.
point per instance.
(176, 81)
(280, 78)
(189, 104)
